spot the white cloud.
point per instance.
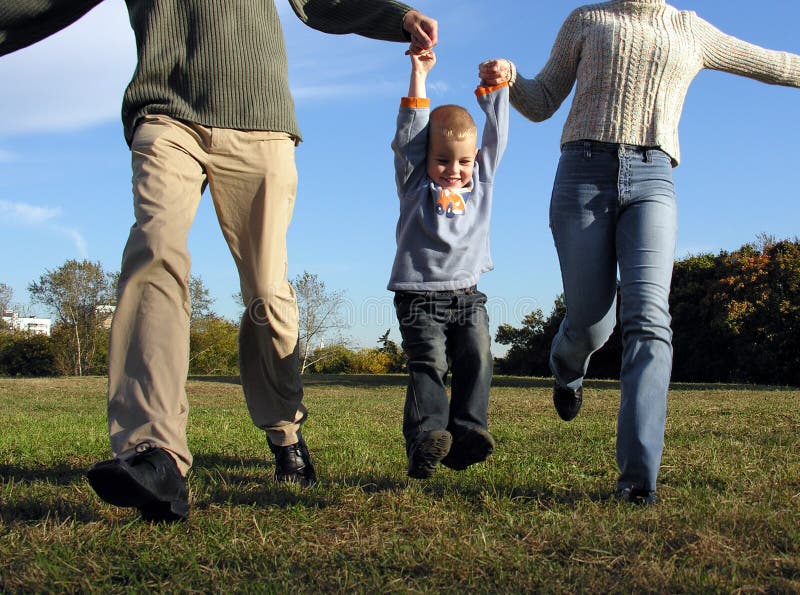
(6, 156)
(17, 214)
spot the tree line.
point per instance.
(735, 317)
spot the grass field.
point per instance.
(539, 516)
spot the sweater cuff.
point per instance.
(415, 102)
(512, 74)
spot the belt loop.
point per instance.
(587, 150)
(647, 156)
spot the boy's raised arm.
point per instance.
(410, 144)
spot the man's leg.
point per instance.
(149, 345)
(253, 181)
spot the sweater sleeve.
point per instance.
(537, 99)
(410, 144)
(494, 103)
(377, 19)
(729, 54)
(23, 23)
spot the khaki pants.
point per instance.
(253, 179)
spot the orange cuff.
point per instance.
(486, 90)
(415, 102)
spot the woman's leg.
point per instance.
(582, 219)
(646, 236)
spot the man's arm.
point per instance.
(23, 23)
(387, 20)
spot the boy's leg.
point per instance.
(469, 348)
(149, 344)
(422, 317)
(253, 181)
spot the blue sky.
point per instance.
(65, 168)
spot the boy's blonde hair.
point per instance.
(452, 121)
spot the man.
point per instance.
(209, 105)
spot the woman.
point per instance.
(613, 202)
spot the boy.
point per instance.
(445, 189)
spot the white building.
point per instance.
(37, 326)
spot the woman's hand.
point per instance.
(494, 72)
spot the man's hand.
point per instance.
(424, 31)
(494, 72)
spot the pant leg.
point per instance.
(423, 318)
(469, 347)
(582, 219)
(253, 182)
(646, 237)
(149, 343)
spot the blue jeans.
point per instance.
(445, 331)
(614, 206)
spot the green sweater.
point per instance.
(213, 62)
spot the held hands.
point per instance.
(494, 72)
(424, 31)
(421, 62)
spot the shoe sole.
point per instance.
(428, 454)
(474, 446)
(115, 485)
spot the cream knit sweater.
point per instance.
(633, 61)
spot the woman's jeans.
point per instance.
(614, 206)
(445, 331)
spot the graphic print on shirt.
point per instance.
(452, 201)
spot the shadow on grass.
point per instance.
(58, 475)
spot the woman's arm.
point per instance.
(729, 54)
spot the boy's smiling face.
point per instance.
(451, 160)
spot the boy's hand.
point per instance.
(422, 62)
(494, 72)
(424, 31)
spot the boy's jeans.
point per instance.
(440, 327)
(615, 206)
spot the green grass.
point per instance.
(539, 516)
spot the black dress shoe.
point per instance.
(638, 496)
(469, 447)
(146, 478)
(425, 452)
(568, 401)
(293, 463)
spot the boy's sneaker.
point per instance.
(293, 463)
(469, 447)
(568, 401)
(425, 452)
(146, 478)
(638, 496)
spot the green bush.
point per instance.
(25, 354)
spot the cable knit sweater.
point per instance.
(633, 61)
(214, 62)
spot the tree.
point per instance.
(320, 313)
(74, 291)
(213, 347)
(529, 354)
(396, 357)
(6, 295)
(201, 300)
